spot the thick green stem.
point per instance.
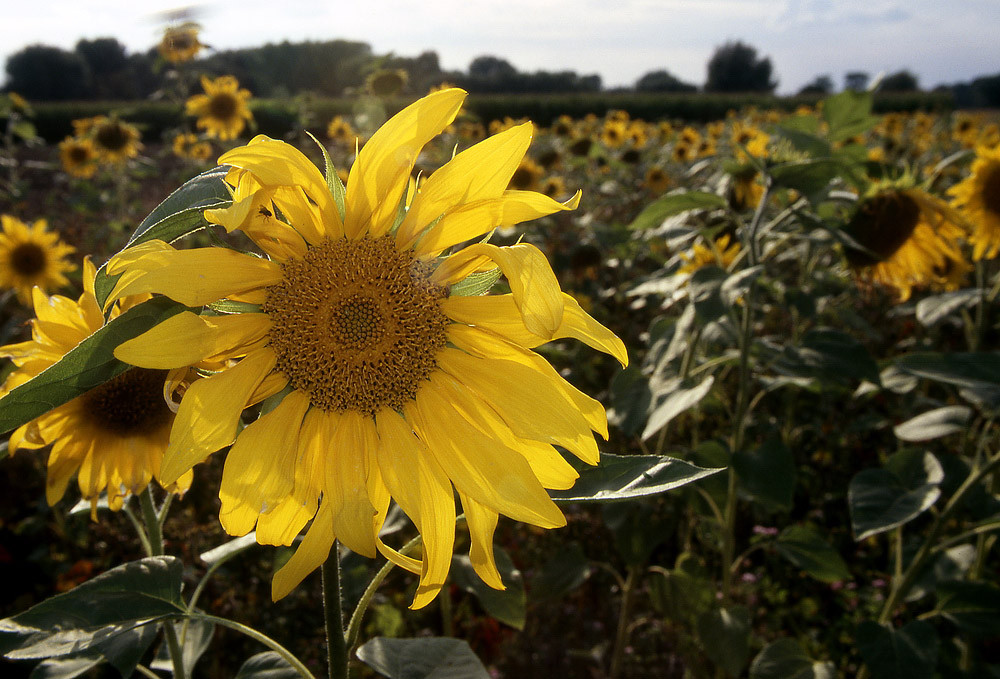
(354, 626)
(154, 522)
(336, 643)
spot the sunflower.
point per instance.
(31, 256)
(386, 82)
(527, 175)
(114, 140)
(180, 43)
(908, 238)
(978, 199)
(187, 145)
(613, 133)
(393, 384)
(78, 156)
(340, 130)
(721, 254)
(657, 180)
(222, 111)
(112, 437)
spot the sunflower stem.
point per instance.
(621, 636)
(154, 521)
(296, 664)
(336, 642)
(354, 626)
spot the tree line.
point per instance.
(102, 69)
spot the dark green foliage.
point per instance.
(735, 67)
(43, 73)
(663, 81)
(900, 81)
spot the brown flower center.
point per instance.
(223, 106)
(357, 324)
(28, 259)
(112, 136)
(79, 154)
(991, 190)
(882, 224)
(130, 404)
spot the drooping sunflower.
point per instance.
(721, 254)
(222, 111)
(114, 140)
(909, 237)
(977, 197)
(32, 256)
(180, 43)
(187, 145)
(394, 384)
(78, 156)
(111, 438)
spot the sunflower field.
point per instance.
(419, 394)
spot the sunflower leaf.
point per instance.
(672, 204)
(89, 364)
(476, 283)
(424, 658)
(626, 477)
(337, 189)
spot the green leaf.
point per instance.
(879, 501)
(65, 668)
(561, 574)
(510, 605)
(424, 658)
(806, 549)
(953, 564)
(681, 596)
(195, 636)
(24, 129)
(705, 291)
(630, 399)
(934, 424)
(181, 213)
(638, 529)
(830, 356)
(476, 283)
(337, 189)
(785, 659)
(228, 550)
(674, 203)
(970, 370)
(931, 310)
(724, 633)
(907, 653)
(806, 140)
(678, 401)
(267, 665)
(915, 468)
(767, 473)
(86, 366)
(807, 176)
(116, 602)
(973, 606)
(625, 477)
(848, 114)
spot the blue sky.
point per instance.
(939, 41)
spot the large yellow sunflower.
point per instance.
(909, 237)
(113, 437)
(394, 385)
(978, 198)
(222, 111)
(31, 256)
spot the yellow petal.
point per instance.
(532, 282)
(482, 524)
(312, 552)
(477, 218)
(280, 525)
(260, 467)
(499, 314)
(479, 465)
(210, 413)
(482, 171)
(187, 338)
(382, 169)
(277, 164)
(351, 437)
(191, 277)
(423, 491)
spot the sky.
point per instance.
(940, 42)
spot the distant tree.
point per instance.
(822, 84)
(987, 90)
(112, 72)
(856, 81)
(900, 81)
(44, 73)
(735, 67)
(491, 68)
(662, 81)
(493, 74)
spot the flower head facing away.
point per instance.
(392, 385)
(112, 437)
(31, 256)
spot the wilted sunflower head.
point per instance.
(386, 82)
(905, 236)
(180, 43)
(31, 256)
(977, 198)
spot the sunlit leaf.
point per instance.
(624, 477)
(656, 212)
(677, 401)
(879, 502)
(786, 659)
(934, 424)
(267, 665)
(423, 658)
